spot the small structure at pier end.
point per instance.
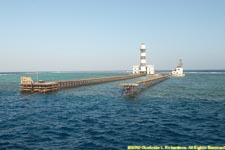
(179, 71)
(143, 68)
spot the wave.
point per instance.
(7, 74)
(205, 72)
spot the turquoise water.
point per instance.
(178, 111)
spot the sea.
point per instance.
(178, 111)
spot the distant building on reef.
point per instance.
(143, 68)
(179, 71)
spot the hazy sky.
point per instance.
(64, 35)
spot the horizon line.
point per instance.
(107, 70)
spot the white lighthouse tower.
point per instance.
(143, 68)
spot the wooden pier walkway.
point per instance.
(27, 85)
(130, 89)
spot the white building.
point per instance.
(179, 71)
(143, 68)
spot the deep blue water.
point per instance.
(178, 111)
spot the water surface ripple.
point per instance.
(178, 111)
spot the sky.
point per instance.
(104, 35)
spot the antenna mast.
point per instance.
(180, 63)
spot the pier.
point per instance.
(130, 89)
(27, 85)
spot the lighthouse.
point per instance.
(143, 68)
